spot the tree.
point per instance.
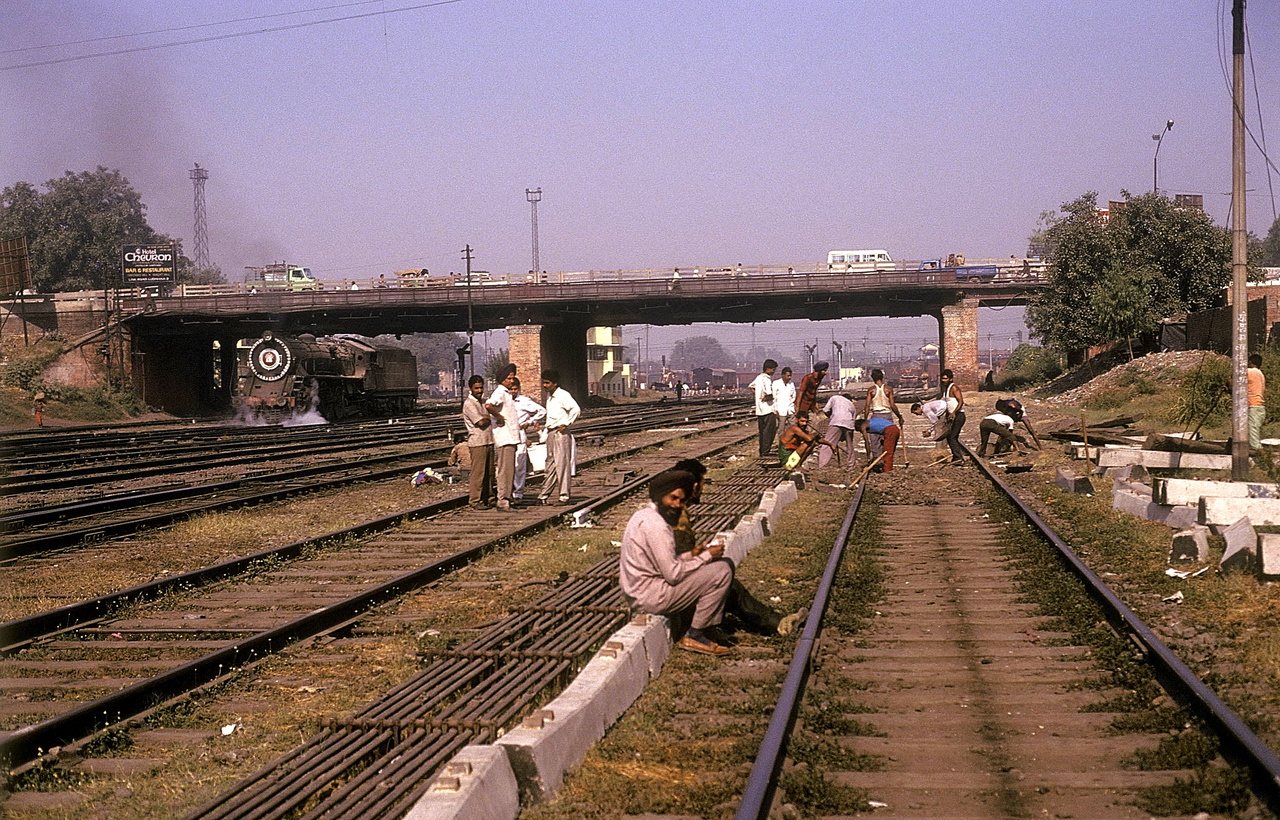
(1162, 260)
(493, 365)
(435, 352)
(1271, 247)
(76, 228)
(699, 351)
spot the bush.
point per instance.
(1029, 364)
(24, 366)
(1204, 396)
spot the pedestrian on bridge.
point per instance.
(766, 417)
(562, 411)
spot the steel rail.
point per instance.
(378, 762)
(1243, 744)
(31, 742)
(757, 797)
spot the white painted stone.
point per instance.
(1190, 491)
(477, 784)
(1269, 549)
(1118, 457)
(1242, 546)
(1080, 452)
(1263, 512)
(1071, 482)
(1191, 544)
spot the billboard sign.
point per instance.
(15, 266)
(149, 264)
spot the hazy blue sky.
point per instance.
(662, 134)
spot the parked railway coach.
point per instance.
(282, 378)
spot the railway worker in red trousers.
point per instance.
(501, 405)
(658, 580)
(808, 390)
(475, 418)
(562, 412)
(887, 432)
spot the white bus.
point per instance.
(866, 261)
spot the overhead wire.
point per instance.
(227, 36)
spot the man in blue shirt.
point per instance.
(887, 431)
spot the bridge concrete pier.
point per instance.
(562, 347)
(958, 323)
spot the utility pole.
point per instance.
(1239, 257)
(471, 333)
(534, 195)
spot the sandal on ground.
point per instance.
(701, 648)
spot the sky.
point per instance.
(662, 134)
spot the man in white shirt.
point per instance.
(562, 411)
(784, 399)
(933, 412)
(766, 418)
(1001, 426)
(531, 416)
(840, 412)
(501, 405)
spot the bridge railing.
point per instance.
(737, 277)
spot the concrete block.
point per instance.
(787, 492)
(477, 784)
(1129, 472)
(748, 530)
(1071, 482)
(1190, 491)
(1181, 517)
(1242, 547)
(655, 636)
(1263, 512)
(1269, 551)
(557, 737)
(1081, 452)
(1191, 544)
(1120, 456)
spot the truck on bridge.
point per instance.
(280, 276)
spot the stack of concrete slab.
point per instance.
(527, 765)
(1136, 498)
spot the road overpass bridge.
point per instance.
(172, 337)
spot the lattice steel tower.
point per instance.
(198, 176)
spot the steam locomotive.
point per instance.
(280, 379)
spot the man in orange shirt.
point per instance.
(1257, 383)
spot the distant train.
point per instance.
(285, 378)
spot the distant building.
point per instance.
(607, 374)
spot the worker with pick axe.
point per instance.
(889, 434)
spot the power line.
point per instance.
(229, 36)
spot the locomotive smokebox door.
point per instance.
(270, 359)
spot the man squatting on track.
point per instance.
(659, 581)
(766, 413)
(562, 411)
(750, 611)
(475, 418)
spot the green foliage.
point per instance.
(1270, 247)
(699, 351)
(76, 228)
(1116, 279)
(1028, 364)
(24, 366)
(496, 361)
(434, 351)
(1204, 394)
(813, 794)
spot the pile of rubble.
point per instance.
(1160, 368)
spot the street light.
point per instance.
(534, 195)
(1155, 163)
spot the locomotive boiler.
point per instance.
(280, 378)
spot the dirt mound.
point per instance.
(1085, 382)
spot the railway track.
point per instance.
(40, 529)
(181, 645)
(971, 703)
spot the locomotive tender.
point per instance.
(283, 378)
